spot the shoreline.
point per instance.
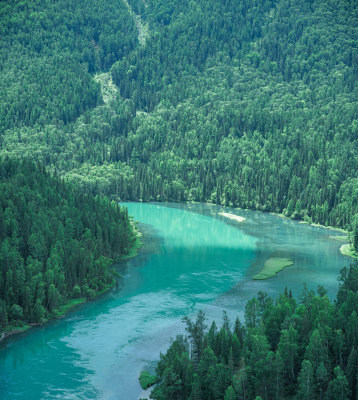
(316, 225)
(133, 251)
(347, 250)
(56, 314)
(72, 303)
(331, 228)
(300, 221)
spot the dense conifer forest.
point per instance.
(56, 243)
(242, 103)
(287, 349)
(49, 51)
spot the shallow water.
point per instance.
(192, 259)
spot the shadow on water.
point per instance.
(313, 250)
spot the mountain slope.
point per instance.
(56, 243)
(250, 104)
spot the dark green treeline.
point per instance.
(243, 103)
(56, 243)
(287, 349)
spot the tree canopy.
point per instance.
(56, 243)
(241, 103)
(304, 349)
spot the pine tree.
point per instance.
(230, 394)
(288, 349)
(196, 333)
(306, 388)
(338, 387)
(355, 232)
(321, 379)
(352, 371)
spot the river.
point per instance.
(192, 259)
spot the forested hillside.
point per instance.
(56, 243)
(243, 103)
(287, 349)
(49, 51)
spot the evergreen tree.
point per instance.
(321, 379)
(230, 394)
(288, 350)
(355, 233)
(301, 367)
(352, 371)
(338, 387)
(47, 226)
(196, 331)
(306, 388)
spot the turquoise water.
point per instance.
(192, 259)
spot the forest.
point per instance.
(241, 103)
(56, 243)
(249, 104)
(286, 349)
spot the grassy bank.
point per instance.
(272, 266)
(332, 228)
(71, 303)
(340, 238)
(348, 250)
(57, 313)
(134, 249)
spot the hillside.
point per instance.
(56, 244)
(241, 103)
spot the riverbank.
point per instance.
(133, 251)
(55, 314)
(281, 215)
(332, 228)
(107, 343)
(70, 304)
(347, 250)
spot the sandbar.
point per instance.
(272, 266)
(233, 217)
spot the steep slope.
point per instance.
(56, 243)
(250, 104)
(49, 51)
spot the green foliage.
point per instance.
(338, 387)
(76, 292)
(146, 379)
(355, 233)
(240, 103)
(53, 241)
(306, 382)
(230, 394)
(48, 52)
(16, 313)
(304, 359)
(196, 335)
(272, 267)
